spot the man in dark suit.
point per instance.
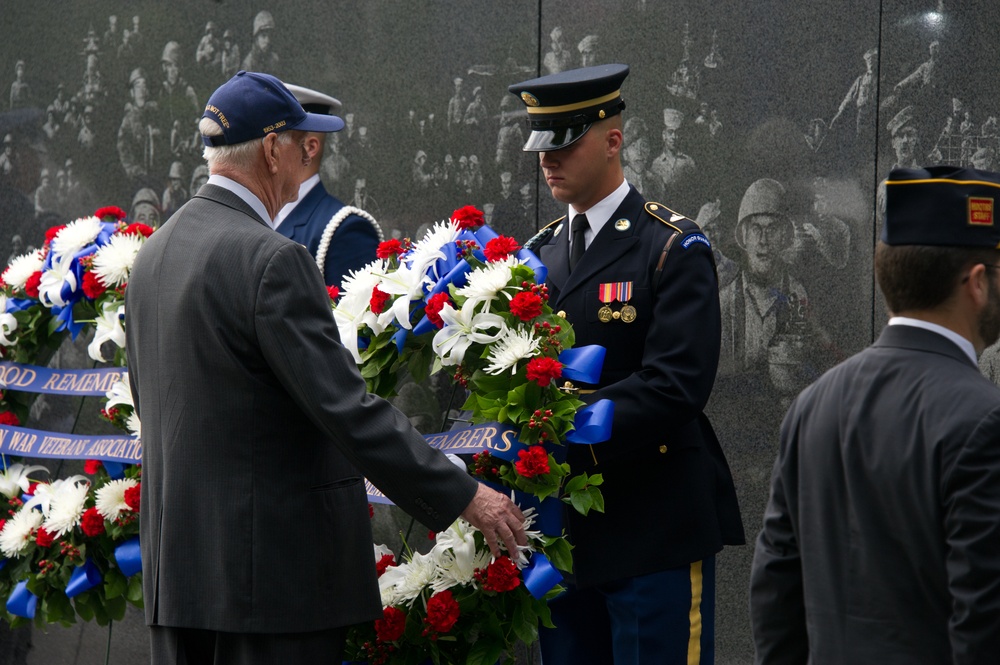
(880, 540)
(639, 280)
(354, 238)
(256, 541)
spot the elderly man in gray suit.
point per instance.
(881, 539)
(256, 541)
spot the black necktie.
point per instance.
(579, 243)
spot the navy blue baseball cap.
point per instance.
(562, 107)
(941, 205)
(252, 105)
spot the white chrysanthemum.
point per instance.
(534, 537)
(515, 346)
(8, 323)
(51, 287)
(439, 239)
(110, 499)
(352, 310)
(109, 327)
(120, 393)
(17, 531)
(461, 329)
(388, 585)
(75, 236)
(416, 575)
(133, 424)
(486, 283)
(456, 556)
(113, 261)
(23, 267)
(15, 480)
(66, 506)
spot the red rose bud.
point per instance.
(526, 305)
(132, 495)
(378, 300)
(9, 418)
(391, 626)
(43, 538)
(542, 370)
(93, 287)
(91, 466)
(468, 217)
(110, 214)
(502, 576)
(500, 248)
(434, 306)
(389, 248)
(32, 283)
(92, 523)
(334, 291)
(534, 461)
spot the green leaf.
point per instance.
(484, 652)
(575, 484)
(597, 497)
(582, 501)
(134, 593)
(559, 552)
(83, 608)
(115, 585)
(116, 608)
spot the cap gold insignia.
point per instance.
(980, 211)
(530, 99)
(622, 224)
(601, 114)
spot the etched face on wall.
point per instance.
(765, 237)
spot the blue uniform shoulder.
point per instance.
(686, 227)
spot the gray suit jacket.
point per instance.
(257, 429)
(881, 542)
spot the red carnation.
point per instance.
(543, 369)
(132, 495)
(93, 286)
(52, 232)
(91, 466)
(32, 283)
(31, 489)
(379, 298)
(442, 611)
(43, 538)
(468, 217)
(334, 291)
(391, 626)
(533, 462)
(92, 523)
(502, 575)
(9, 418)
(392, 247)
(526, 305)
(387, 561)
(116, 213)
(139, 229)
(434, 306)
(500, 248)
(3, 523)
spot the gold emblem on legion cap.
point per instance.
(530, 99)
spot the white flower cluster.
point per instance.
(56, 506)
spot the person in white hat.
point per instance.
(304, 220)
(672, 165)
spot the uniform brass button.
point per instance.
(663, 449)
(654, 207)
(561, 314)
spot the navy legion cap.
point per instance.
(252, 105)
(941, 205)
(562, 107)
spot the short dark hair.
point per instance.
(921, 277)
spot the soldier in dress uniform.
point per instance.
(355, 238)
(640, 280)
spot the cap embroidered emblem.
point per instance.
(980, 211)
(530, 99)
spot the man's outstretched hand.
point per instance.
(498, 518)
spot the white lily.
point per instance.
(8, 324)
(352, 310)
(15, 480)
(109, 327)
(120, 393)
(456, 555)
(463, 328)
(53, 279)
(407, 284)
(47, 494)
(513, 347)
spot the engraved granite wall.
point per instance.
(769, 122)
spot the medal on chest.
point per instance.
(610, 293)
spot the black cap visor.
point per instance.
(544, 140)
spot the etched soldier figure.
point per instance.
(20, 95)
(85, 137)
(456, 106)
(905, 138)
(208, 54)
(230, 55)
(557, 58)
(177, 99)
(174, 196)
(7, 158)
(635, 160)
(588, 50)
(111, 39)
(261, 58)
(860, 97)
(510, 138)
(672, 165)
(92, 91)
(138, 134)
(47, 195)
(924, 75)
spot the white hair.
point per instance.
(240, 156)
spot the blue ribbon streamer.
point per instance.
(129, 557)
(20, 304)
(35, 379)
(24, 442)
(84, 578)
(540, 575)
(115, 469)
(457, 276)
(22, 602)
(532, 261)
(583, 363)
(593, 423)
